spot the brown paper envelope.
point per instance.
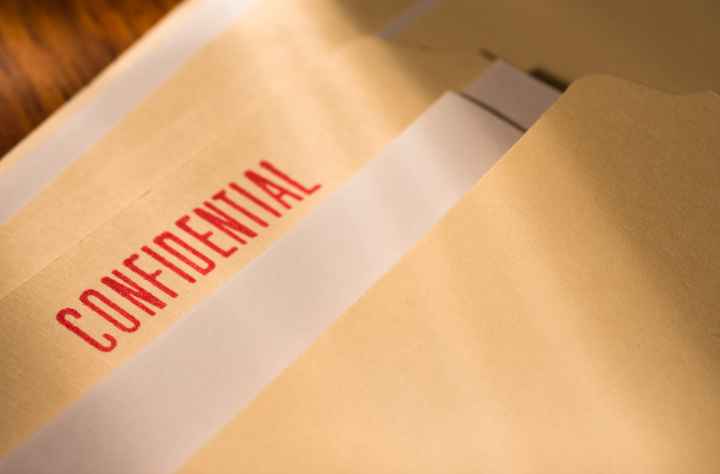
(222, 88)
(319, 128)
(563, 318)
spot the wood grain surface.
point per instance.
(50, 49)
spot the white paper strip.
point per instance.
(512, 93)
(151, 414)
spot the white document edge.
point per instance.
(519, 98)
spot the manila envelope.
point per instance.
(191, 141)
(564, 317)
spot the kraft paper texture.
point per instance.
(562, 318)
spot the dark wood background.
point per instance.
(50, 49)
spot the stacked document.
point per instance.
(318, 236)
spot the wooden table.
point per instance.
(50, 49)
